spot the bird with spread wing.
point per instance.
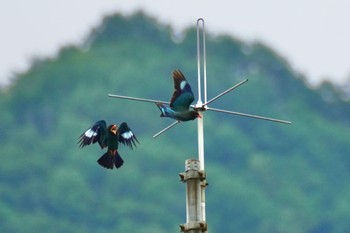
(180, 101)
(109, 137)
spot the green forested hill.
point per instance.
(263, 177)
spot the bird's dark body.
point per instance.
(185, 115)
(110, 138)
(111, 157)
(179, 116)
(112, 141)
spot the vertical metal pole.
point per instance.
(201, 140)
(201, 160)
(199, 104)
(201, 109)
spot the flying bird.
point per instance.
(180, 101)
(109, 137)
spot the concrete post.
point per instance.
(195, 184)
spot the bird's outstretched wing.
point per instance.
(183, 95)
(96, 133)
(126, 136)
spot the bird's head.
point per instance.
(195, 114)
(113, 129)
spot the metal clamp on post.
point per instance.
(194, 227)
(201, 175)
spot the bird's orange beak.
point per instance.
(114, 129)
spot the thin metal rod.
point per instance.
(199, 63)
(138, 99)
(165, 129)
(204, 63)
(249, 115)
(225, 92)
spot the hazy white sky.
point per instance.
(313, 35)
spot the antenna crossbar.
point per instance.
(225, 92)
(165, 129)
(249, 115)
(138, 99)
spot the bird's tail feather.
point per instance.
(108, 160)
(164, 111)
(118, 161)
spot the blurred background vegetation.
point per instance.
(263, 177)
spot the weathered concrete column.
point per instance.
(195, 183)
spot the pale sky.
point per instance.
(313, 35)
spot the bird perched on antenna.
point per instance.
(109, 137)
(180, 100)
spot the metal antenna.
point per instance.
(200, 106)
(194, 175)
